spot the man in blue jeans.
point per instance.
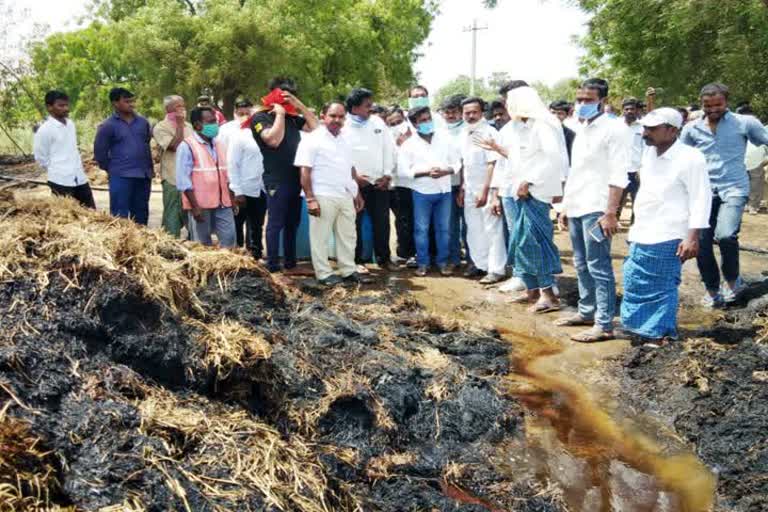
(122, 149)
(722, 136)
(601, 157)
(430, 159)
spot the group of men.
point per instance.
(472, 182)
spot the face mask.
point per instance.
(358, 120)
(588, 110)
(422, 101)
(454, 125)
(210, 130)
(426, 128)
(398, 129)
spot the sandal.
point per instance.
(574, 321)
(520, 299)
(594, 335)
(541, 308)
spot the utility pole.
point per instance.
(474, 28)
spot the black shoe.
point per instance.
(473, 271)
(355, 278)
(411, 263)
(389, 267)
(331, 280)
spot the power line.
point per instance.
(474, 29)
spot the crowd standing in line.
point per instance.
(473, 182)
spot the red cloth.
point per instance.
(220, 119)
(276, 96)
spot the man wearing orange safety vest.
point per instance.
(201, 177)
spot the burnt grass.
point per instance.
(78, 359)
(711, 389)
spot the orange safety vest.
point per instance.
(210, 180)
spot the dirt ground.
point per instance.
(616, 427)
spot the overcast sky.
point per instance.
(531, 39)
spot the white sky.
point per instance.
(531, 39)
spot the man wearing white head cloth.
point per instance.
(541, 162)
(672, 206)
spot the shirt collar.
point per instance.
(702, 122)
(202, 140)
(671, 152)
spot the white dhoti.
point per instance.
(485, 236)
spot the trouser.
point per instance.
(129, 198)
(377, 206)
(283, 214)
(509, 205)
(215, 220)
(630, 191)
(81, 193)
(337, 217)
(724, 226)
(401, 203)
(485, 236)
(756, 186)
(537, 258)
(173, 215)
(592, 259)
(255, 210)
(458, 229)
(435, 210)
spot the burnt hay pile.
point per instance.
(141, 373)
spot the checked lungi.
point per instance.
(651, 281)
(533, 251)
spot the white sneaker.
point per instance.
(514, 284)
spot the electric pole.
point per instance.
(474, 28)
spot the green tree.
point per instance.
(460, 85)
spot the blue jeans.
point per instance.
(725, 223)
(129, 198)
(283, 214)
(592, 259)
(509, 204)
(432, 209)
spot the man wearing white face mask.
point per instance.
(485, 229)
(453, 127)
(401, 193)
(242, 113)
(601, 159)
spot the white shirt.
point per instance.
(245, 165)
(456, 136)
(399, 179)
(543, 158)
(506, 174)
(330, 159)
(600, 158)
(228, 130)
(372, 147)
(638, 146)
(55, 149)
(755, 156)
(474, 159)
(675, 195)
(417, 155)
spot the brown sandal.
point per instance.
(593, 335)
(574, 321)
(520, 299)
(541, 308)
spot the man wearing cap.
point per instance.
(672, 206)
(205, 101)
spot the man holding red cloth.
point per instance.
(277, 131)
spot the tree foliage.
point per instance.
(231, 48)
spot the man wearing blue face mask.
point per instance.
(373, 156)
(430, 159)
(202, 179)
(598, 176)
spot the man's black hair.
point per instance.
(329, 104)
(196, 114)
(497, 104)
(118, 93)
(414, 114)
(630, 102)
(511, 85)
(694, 107)
(244, 103)
(418, 87)
(284, 83)
(596, 84)
(745, 109)
(714, 89)
(560, 105)
(378, 109)
(356, 97)
(52, 96)
(395, 109)
(474, 99)
(453, 101)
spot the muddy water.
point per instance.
(602, 457)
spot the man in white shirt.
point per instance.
(55, 149)
(401, 195)
(430, 159)
(485, 229)
(592, 193)
(673, 204)
(755, 160)
(630, 117)
(373, 157)
(245, 164)
(243, 109)
(453, 127)
(332, 195)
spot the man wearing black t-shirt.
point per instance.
(278, 135)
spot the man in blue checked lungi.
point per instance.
(541, 161)
(672, 206)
